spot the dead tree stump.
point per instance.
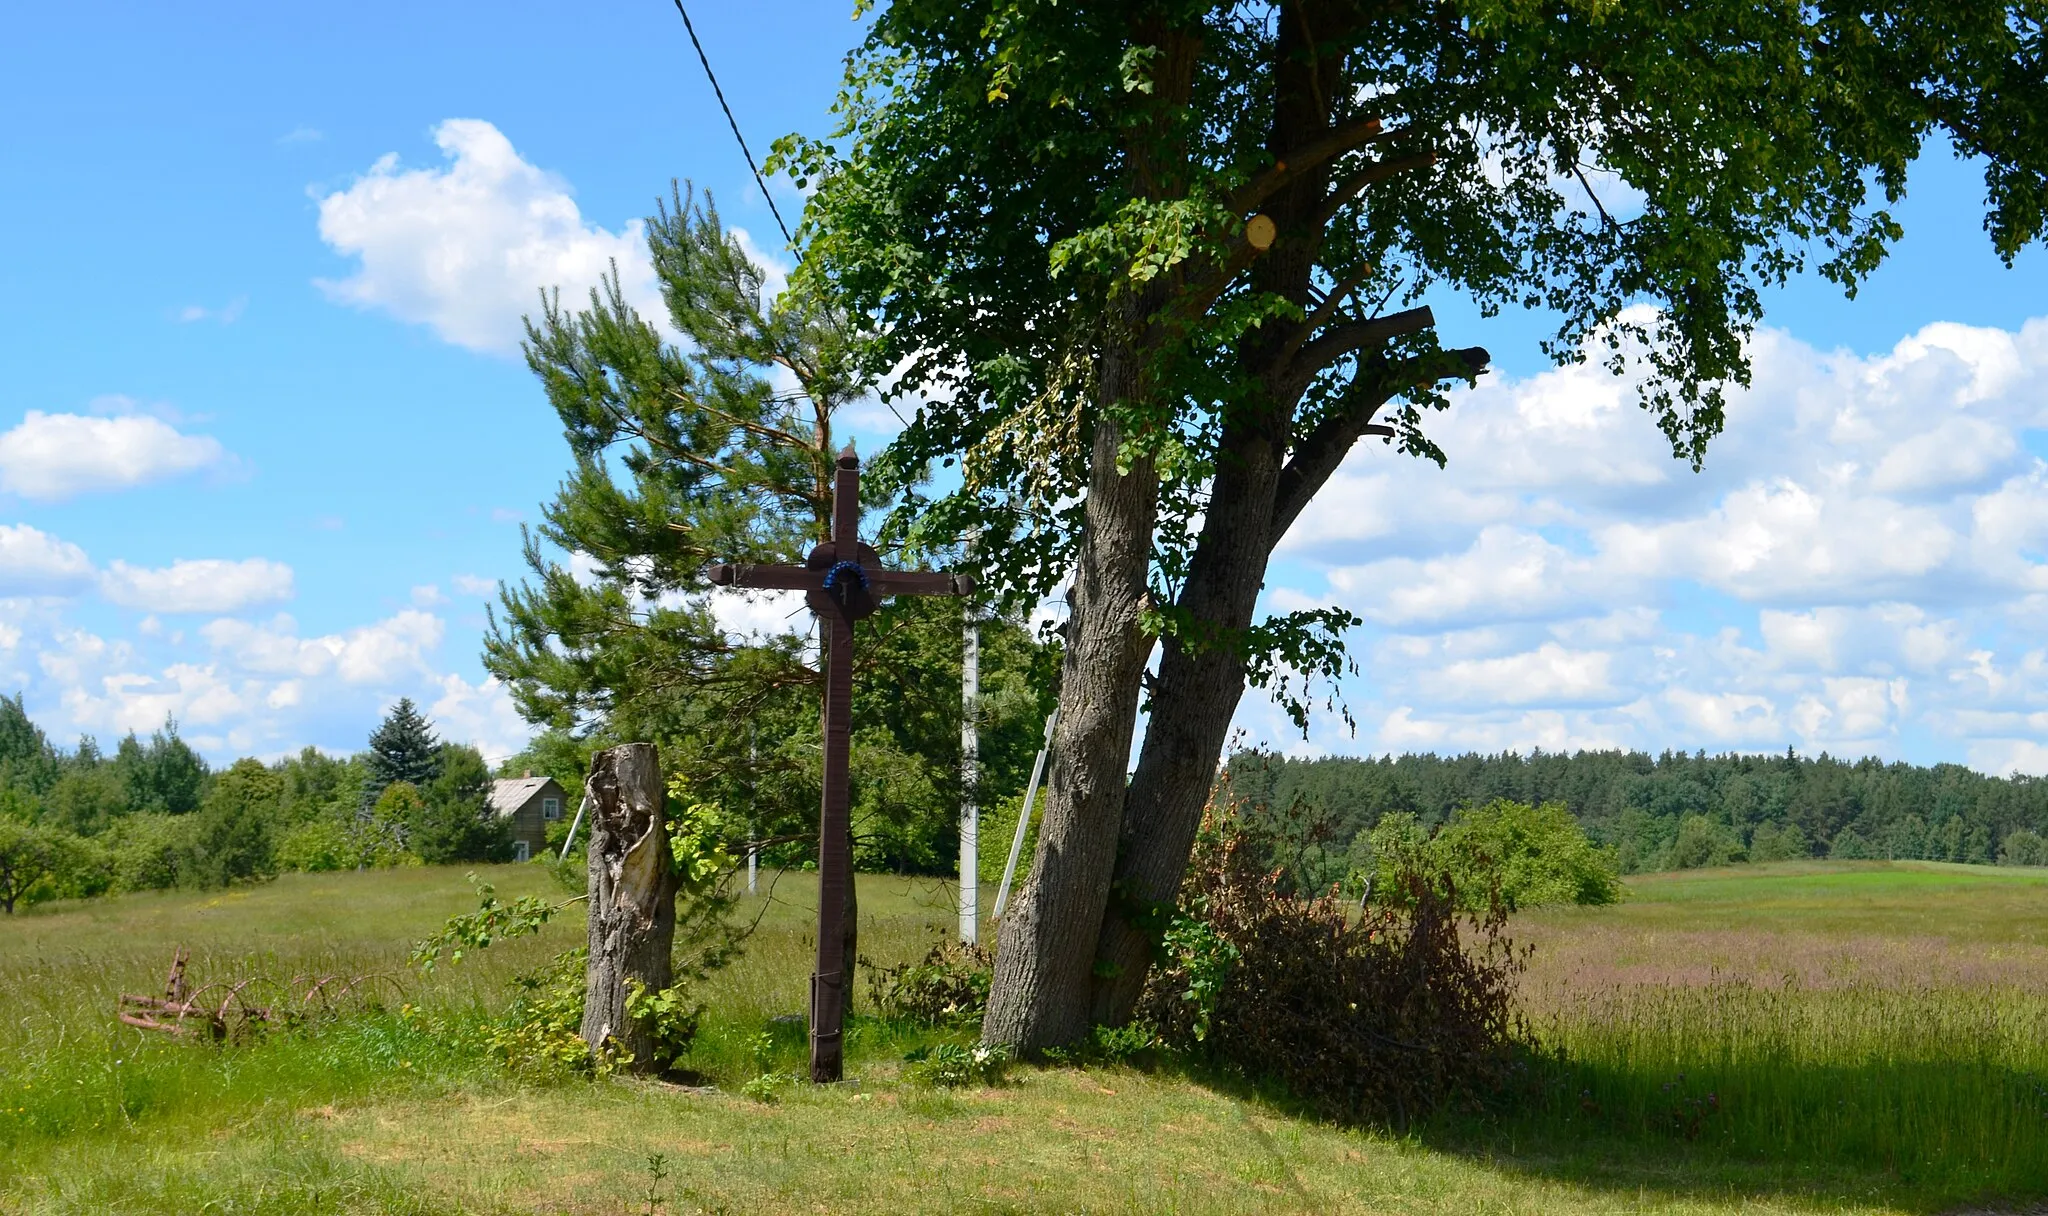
(632, 898)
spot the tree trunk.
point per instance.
(1040, 996)
(633, 885)
(1193, 702)
(1202, 674)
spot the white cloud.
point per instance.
(227, 314)
(1862, 565)
(481, 715)
(761, 613)
(36, 563)
(470, 584)
(375, 654)
(1550, 673)
(55, 456)
(208, 585)
(467, 248)
(427, 595)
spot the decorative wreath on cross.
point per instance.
(841, 569)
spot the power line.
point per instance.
(734, 123)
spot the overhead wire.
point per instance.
(760, 181)
(734, 124)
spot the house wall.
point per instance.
(528, 823)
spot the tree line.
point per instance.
(81, 823)
(1666, 812)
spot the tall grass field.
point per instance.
(1816, 1037)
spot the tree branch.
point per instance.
(1342, 340)
(1328, 308)
(1337, 141)
(1372, 174)
(1319, 453)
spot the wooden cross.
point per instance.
(843, 581)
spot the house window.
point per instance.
(551, 808)
(521, 851)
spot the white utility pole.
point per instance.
(970, 774)
(754, 828)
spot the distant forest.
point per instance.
(1676, 811)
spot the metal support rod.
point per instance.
(574, 824)
(1024, 816)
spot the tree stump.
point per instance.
(633, 884)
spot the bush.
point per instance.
(1702, 843)
(948, 987)
(316, 847)
(1379, 1017)
(27, 858)
(149, 852)
(950, 1065)
(1523, 855)
(2023, 848)
(1778, 842)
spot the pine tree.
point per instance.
(402, 748)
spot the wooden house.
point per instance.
(532, 805)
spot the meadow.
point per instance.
(1859, 1037)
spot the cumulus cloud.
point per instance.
(481, 715)
(467, 247)
(1862, 565)
(377, 653)
(36, 563)
(55, 456)
(208, 585)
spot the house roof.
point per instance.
(511, 793)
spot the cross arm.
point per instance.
(775, 578)
(919, 582)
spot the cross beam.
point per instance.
(842, 581)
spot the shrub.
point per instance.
(27, 857)
(1778, 842)
(951, 1065)
(149, 852)
(2024, 848)
(1377, 1017)
(316, 847)
(1701, 843)
(947, 987)
(1523, 855)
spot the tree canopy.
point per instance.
(1151, 270)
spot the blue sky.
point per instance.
(265, 440)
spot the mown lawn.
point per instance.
(1863, 1038)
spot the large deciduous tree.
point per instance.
(1154, 267)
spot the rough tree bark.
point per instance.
(1040, 994)
(633, 885)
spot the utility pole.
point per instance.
(970, 774)
(753, 814)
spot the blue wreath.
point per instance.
(853, 568)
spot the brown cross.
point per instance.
(841, 587)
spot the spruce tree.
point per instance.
(402, 748)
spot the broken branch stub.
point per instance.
(632, 899)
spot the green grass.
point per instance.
(1874, 1038)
